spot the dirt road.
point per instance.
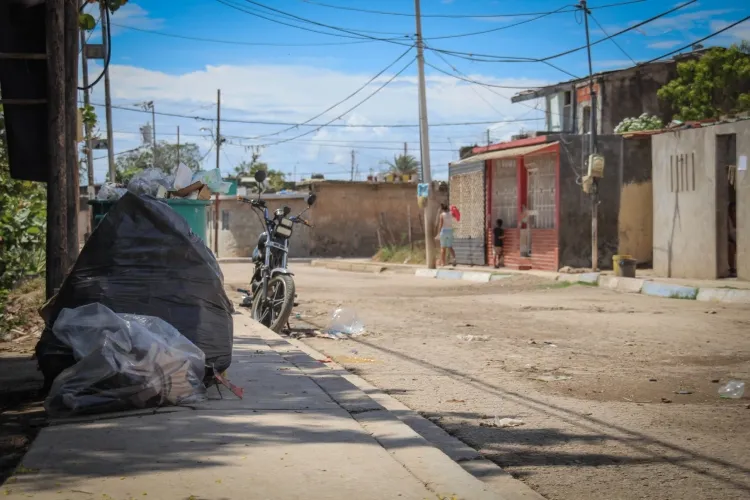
(617, 394)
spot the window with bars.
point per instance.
(682, 172)
(504, 192)
(541, 190)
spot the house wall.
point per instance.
(685, 221)
(690, 203)
(626, 175)
(632, 92)
(239, 227)
(348, 216)
(635, 217)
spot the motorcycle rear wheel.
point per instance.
(274, 313)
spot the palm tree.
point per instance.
(403, 165)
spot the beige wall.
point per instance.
(348, 216)
(239, 227)
(689, 220)
(635, 221)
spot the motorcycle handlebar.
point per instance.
(255, 203)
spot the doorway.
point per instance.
(726, 205)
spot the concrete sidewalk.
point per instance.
(302, 431)
(726, 291)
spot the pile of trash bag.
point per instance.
(143, 259)
(123, 361)
(183, 183)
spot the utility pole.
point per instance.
(424, 145)
(352, 173)
(489, 141)
(178, 146)
(153, 128)
(72, 182)
(218, 148)
(592, 147)
(406, 148)
(86, 102)
(56, 181)
(107, 94)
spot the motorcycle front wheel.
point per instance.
(275, 311)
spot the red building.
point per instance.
(534, 186)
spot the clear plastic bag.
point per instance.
(212, 179)
(123, 361)
(149, 181)
(344, 322)
(111, 192)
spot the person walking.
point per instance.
(445, 234)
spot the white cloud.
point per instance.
(294, 93)
(130, 14)
(737, 34)
(666, 44)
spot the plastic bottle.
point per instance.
(734, 389)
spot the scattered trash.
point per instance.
(327, 360)
(456, 401)
(152, 182)
(298, 316)
(354, 351)
(503, 423)
(666, 400)
(715, 381)
(110, 191)
(532, 342)
(652, 380)
(183, 177)
(344, 323)
(551, 378)
(711, 312)
(683, 392)
(734, 389)
(473, 338)
(123, 361)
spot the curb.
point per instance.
(389, 420)
(436, 458)
(642, 286)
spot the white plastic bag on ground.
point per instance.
(344, 322)
(123, 362)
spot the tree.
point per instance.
(23, 223)
(135, 161)
(275, 179)
(403, 165)
(717, 83)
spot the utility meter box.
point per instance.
(596, 165)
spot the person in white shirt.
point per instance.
(445, 234)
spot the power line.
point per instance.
(261, 16)
(469, 80)
(611, 39)
(350, 146)
(479, 57)
(341, 125)
(690, 45)
(456, 16)
(237, 42)
(508, 26)
(282, 141)
(341, 101)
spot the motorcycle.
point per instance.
(272, 291)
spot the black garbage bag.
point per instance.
(143, 259)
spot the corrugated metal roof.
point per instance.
(504, 153)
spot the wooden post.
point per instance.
(72, 183)
(57, 244)
(216, 226)
(408, 218)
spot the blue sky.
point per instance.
(293, 83)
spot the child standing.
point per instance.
(499, 237)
